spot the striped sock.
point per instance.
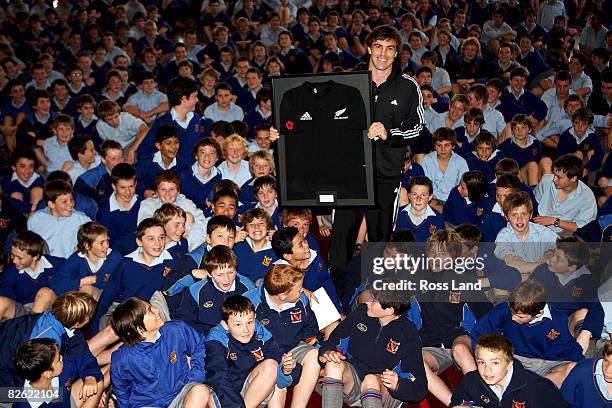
(332, 393)
(371, 398)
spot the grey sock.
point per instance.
(332, 393)
(371, 398)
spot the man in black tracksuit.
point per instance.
(397, 122)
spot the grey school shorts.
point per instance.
(538, 365)
(245, 387)
(159, 302)
(352, 398)
(299, 352)
(22, 310)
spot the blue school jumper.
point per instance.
(372, 348)
(414, 170)
(578, 293)
(147, 170)
(254, 265)
(528, 104)
(580, 388)
(526, 389)
(200, 304)
(548, 338)
(11, 184)
(153, 374)
(194, 189)
(523, 155)
(119, 223)
(487, 167)
(15, 331)
(491, 223)
(568, 143)
(21, 287)
(317, 276)
(229, 362)
(432, 222)
(458, 211)
(187, 137)
(295, 323)
(76, 267)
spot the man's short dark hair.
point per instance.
(384, 32)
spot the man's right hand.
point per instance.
(274, 135)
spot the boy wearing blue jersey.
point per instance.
(88, 269)
(265, 190)
(374, 356)
(494, 221)
(24, 287)
(524, 148)
(485, 155)
(173, 219)
(244, 361)
(582, 140)
(160, 363)
(539, 332)
(200, 304)
(588, 384)
(198, 180)
(255, 254)
(418, 217)
(24, 187)
(61, 381)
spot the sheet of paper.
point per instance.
(324, 310)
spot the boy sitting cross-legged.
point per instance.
(244, 360)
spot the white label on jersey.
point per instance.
(326, 198)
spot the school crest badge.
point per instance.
(258, 354)
(4, 223)
(585, 147)
(264, 322)
(362, 327)
(479, 211)
(296, 316)
(208, 304)
(232, 356)
(553, 334)
(432, 229)
(266, 261)
(68, 384)
(173, 357)
(518, 404)
(485, 399)
(393, 346)
(106, 277)
(454, 297)
(577, 292)
(166, 271)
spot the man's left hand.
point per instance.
(377, 131)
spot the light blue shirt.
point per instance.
(601, 382)
(59, 232)
(57, 155)
(146, 103)
(430, 117)
(234, 112)
(443, 183)
(500, 393)
(195, 169)
(579, 207)
(125, 134)
(539, 240)
(243, 175)
(441, 118)
(76, 170)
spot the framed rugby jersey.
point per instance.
(324, 154)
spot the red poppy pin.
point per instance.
(289, 125)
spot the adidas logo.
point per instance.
(306, 116)
(338, 114)
(394, 102)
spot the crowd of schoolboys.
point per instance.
(152, 266)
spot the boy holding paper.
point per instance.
(284, 310)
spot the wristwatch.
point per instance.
(557, 222)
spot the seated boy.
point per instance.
(35, 128)
(418, 217)
(572, 289)
(473, 120)
(70, 311)
(444, 167)
(501, 380)
(411, 169)
(260, 164)
(539, 333)
(59, 222)
(485, 155)
(148, 102)
(119, 212)
(85, 122)
(508, 165)
(301, 218)
(523, 244)
(24, 187)
(90, 268)
(96, 183)
(494, 221)
(63, 380)
(244, 360)
(255, 254)
(265, 191)
(121, 127)
(373, 356)
(524, 148)
(173, 219)
(84, 156)
(292, 248)
(167, 144)
(25, 283)
(584, 388)
(470, 200)
(160, 363)
(200, 304)
(285, 311)
(198, 180)
(224, 202)
(140, 273)
(56, 148)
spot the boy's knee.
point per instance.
(312, 357)
(461, 351)
(334, 369)
(370, 381)
(45, 295)
(268, 368)
(531, 166)
(197, 396)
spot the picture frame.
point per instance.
(325, 158)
